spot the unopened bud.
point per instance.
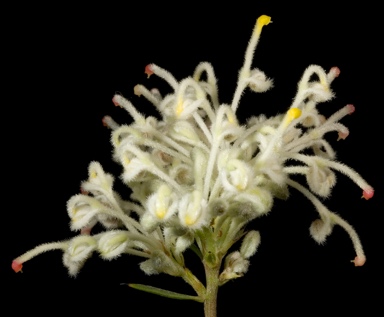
(148, 70)
(235, 266)
(320, 230)
(149, 222)
(250, 244)
(112, 244)
(160, 263)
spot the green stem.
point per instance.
(194, 282)
(210, 300)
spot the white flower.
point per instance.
(78, 251)
(113, 243)
(163, 203)
(83, 210)
(192, 210)
(236, 176)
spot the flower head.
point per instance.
(198, 175)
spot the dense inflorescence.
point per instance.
(198, 175)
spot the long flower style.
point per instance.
(198, 177)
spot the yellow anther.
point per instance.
(93, 174)
(231, 118)
(160, 212)
(292, 114)
(116, 139)
(189, 221)
(179, 108)
(127, 160)
(261, 21)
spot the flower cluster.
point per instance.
(198, 175)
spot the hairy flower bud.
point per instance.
(192, 208)
(320, 179)
(258, 82)
(320, 230)
(163, 203)
(82, 210)
(160, 263)
(234, 266)
(79, 250)
(112, 244)
(250, 244)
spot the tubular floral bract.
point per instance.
(198, 175)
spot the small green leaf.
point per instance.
(165, 293)
(197, 251)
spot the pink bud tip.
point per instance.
(368, 193)
(115, 102)
(336, 71)
(148, 70)
(104, 122)
(86, 231)
(351, 108)
(359, 260)
(17, 266)
(343, 135)
(83, 191)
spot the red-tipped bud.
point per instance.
(148, 70)
(351, 109)
(104, 120)
(359, 260)
(335, 70)
(343, 135)
(17, 266)
(368, 193)
(86, 231)
(115, 102)
(83, 191)
(108, 122)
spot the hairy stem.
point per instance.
(210, 301)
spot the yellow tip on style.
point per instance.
(292, 114)
(261, 21)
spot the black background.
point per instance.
(63, 65)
